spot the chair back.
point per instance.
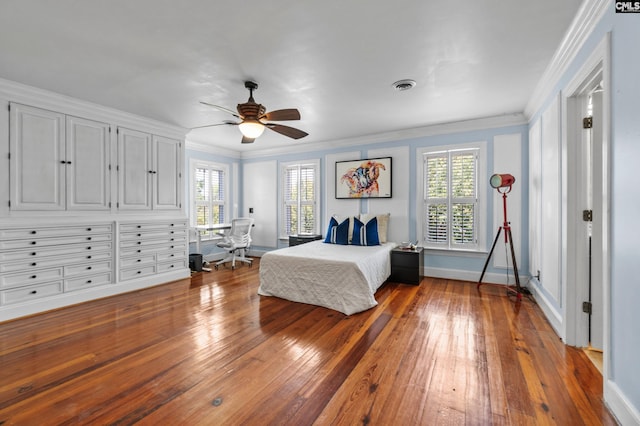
(240, 232)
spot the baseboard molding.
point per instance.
(473, 276)
(550, 312)
(619, 405)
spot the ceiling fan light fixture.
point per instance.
(251, 128)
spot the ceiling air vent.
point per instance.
(401, 85)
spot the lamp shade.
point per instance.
(251, 128)
(501, 180)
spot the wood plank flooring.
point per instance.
(211, 351)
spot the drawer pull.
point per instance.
(171, 266)
(139, 235)
(88, 238)
(33, 277)
(34, 264)
(34, 291)
(33, 243)
(139, 272)
(34, 232)
(139, 251)
(88, 281)
(89, 257)
(33, 253)
(89, 248)
(88, 267)
(139, 242)
(171, 255)
(139, 260)
(139, 226)
(89, 229)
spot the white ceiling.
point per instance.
(333, 60)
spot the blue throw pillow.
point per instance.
(365, 234)
(337, 233)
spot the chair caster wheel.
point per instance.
(216, 267)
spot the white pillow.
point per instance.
(383, 224)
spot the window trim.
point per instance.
(315, 163)
(482, 205)
(198, 163)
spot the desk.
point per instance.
(215, 227)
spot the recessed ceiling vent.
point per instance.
(402, 85)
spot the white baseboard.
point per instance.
(620, 406)
(473, 276)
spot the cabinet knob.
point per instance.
(33, 277)
(34, 291)
(89, 257)
(88, 267)
(33, 253)
(88, 281)
(34, 264)
(89, 229)
(88, 238)
(33, 243)
(34, 232)
(89, 248)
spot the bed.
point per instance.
(339, 277)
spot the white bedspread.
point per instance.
(339, 277)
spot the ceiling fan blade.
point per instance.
(247, 140)
(282, 115)
(217, 124)
(287, 131)
(232, 112)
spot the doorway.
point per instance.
(586, 143)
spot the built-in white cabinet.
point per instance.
(42, 261)
(152, 247)
(149, 171)
(57, 162)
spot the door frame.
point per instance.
(595, 69)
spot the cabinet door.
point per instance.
(37, 163)
(134, 169)
(168, 173)
(88, 177)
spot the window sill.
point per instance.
(472, 253)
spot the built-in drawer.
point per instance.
(131, 227)
(171, 255)
(130, 274)
(170, 266)
(85, 282)
(57, 231)
(24, 294)
(152, 241)
(144, 235)
(147, 259)
(54, 241)
(41, 252)
(92, 267)
(51, 261)
(30, 277)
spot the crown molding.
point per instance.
(588, 16)
(506, 120)
(21, 93)
(198, 145)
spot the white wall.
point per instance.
(260, 192)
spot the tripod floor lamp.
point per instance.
(502, 183)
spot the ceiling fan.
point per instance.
(254, 119)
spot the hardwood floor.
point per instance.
(214, 352)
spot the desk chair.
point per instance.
(236, 242)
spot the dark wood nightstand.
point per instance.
(294, 240)
(407, 265)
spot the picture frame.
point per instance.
(368, 178)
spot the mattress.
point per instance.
(339, 277)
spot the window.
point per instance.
(451, 200)
(209, 194)
(299, 198)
